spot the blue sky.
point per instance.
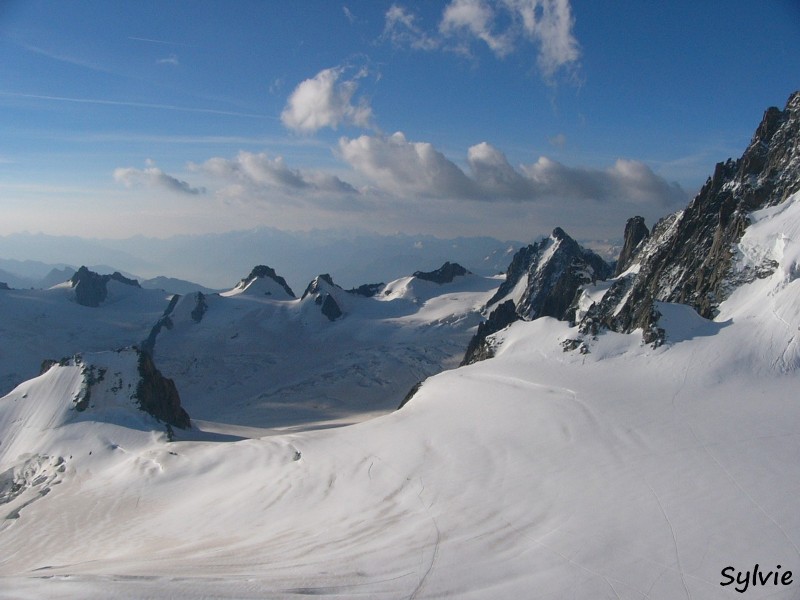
(462, 117)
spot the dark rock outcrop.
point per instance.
(635, 232)
(322, 288)
(368, 290)
(550, 274)
(414, 389)
(555, 268)
(444, 274)
(316, 286)
(4, 286)
(329, 307)
(148, 345)
(500, 318)
(265, 271)
(200, 307)
(91, 289)
(688, 257)
(158, 396)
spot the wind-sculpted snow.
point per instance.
(627, 472)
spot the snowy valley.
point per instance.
(572, 429)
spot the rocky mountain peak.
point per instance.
(263, 271)
(91, 288)
(543, 280)
(319, 284)
(688, 256)
(323, 289)
(635, 232)
(444, 274)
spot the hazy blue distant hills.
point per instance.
(215, 260)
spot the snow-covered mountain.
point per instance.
(258, 356)
(576, 461)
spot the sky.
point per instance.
(454, 117)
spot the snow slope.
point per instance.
(628, 472)
(40, 324)
(274, 362)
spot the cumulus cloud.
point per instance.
(402, 167)
(152, 176)
(326, 100)
(504, 26)
(259, 171)
(406, 168)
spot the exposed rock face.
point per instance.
(368, 290)
(635, 232)
(265, 271)
(543, 280)
(91, 289)
(106, 383)
(323, 290)
(688, 256)
(500, 318)
(201, 307)
(329, 307)
(444, 274)
(316, 286)
(158, 396)
(545, 276)
(148, 345)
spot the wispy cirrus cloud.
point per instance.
(152, 176)
(327, 100)
(171, 60)
(504, 27)
(124, 103)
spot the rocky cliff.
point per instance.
(542, 280)
(91, 289)
(688, 256)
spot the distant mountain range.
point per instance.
(209, 261)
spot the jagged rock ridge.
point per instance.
(635, 233)
(323, 289)
(91, 289)
(688, 257)
(444, 274)
(542, 280)
(265, 272)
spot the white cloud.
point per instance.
(259, 172)
(408, 169)
(170, 60)
(549, 23)
(152, 176)
(402, 167)
(504, 26)
(325, 101)
(475, 18)
(401, 29)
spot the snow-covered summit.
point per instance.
(263, 281)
